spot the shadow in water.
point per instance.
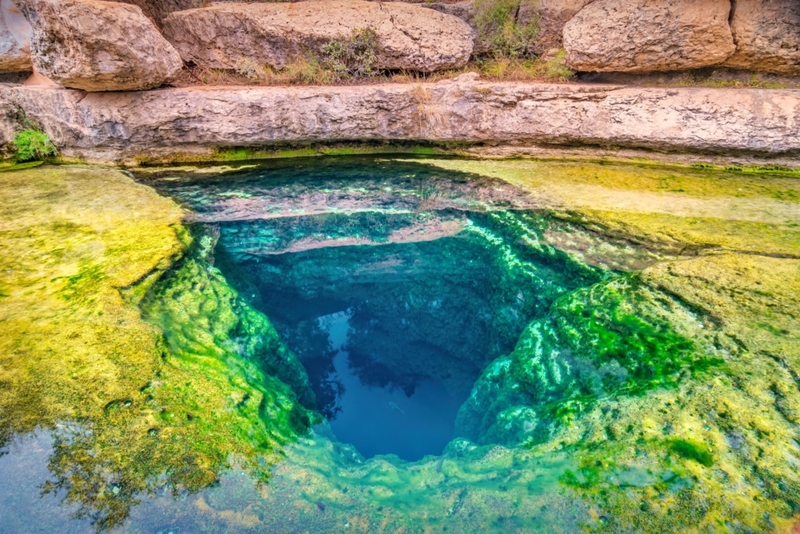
(381, 412)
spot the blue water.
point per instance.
(384, 420)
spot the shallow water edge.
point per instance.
(639, 370)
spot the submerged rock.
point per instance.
(15, 39)
(98, 46)
(648, 35)
(409, 37)
(767, 35)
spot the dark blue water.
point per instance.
(393, 284)
(386, 420)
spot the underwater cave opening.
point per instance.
(394, 284)
(393, 337)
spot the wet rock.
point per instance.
(15, 39)
(410, 37)
(648, 35)
(98, 46)
(767, 35)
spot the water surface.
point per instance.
(371, 345)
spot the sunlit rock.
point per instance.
(98, 46)
(15, 39)
(648, 35)
(409, 37)
(767, 36)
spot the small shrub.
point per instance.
(33, 144)
(352, 57)
(499, 31)
(305, 70)
(250, 69)
(555, 68)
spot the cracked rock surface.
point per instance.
(172, 123)
(767, 35)
(98, 46)
(410, 37)
(648, 35)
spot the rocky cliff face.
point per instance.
(177, 123)
(649, 35)
(15, 39)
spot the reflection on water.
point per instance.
(387, 419)
(364, 345)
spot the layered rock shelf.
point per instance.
(175, 124)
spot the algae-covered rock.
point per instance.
(614, 338)
(653, 387)
(80, 247)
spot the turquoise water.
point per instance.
(376, 345)
(393, 295)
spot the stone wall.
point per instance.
(172, 124)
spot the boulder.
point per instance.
(15, 39)
(649, 35)
(767, 36)
(409, 36)
(98, 46)
(551, 16)
(464, 10)
(157, 10)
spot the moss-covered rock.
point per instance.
(130, 410)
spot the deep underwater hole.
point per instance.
(394, 285)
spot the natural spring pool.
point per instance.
(380, 344)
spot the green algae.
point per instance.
(692, 450)
(679, 209)
(131, 412)
(660, 401)
(614, 338)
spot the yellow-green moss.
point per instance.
(77, 358)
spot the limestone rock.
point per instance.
(98, 46)
(464, 10)
(551, 16)
(15, 39)
(196, 122)
(767, 36)
(157, 10)
(410, 37)
(648, 35)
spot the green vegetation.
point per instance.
(661, 400)
(691, 450)
(80, 247)
(33, 144)
(550, 69)
(352, 56)
(500, 32)
(348, 57)
(302, 70)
